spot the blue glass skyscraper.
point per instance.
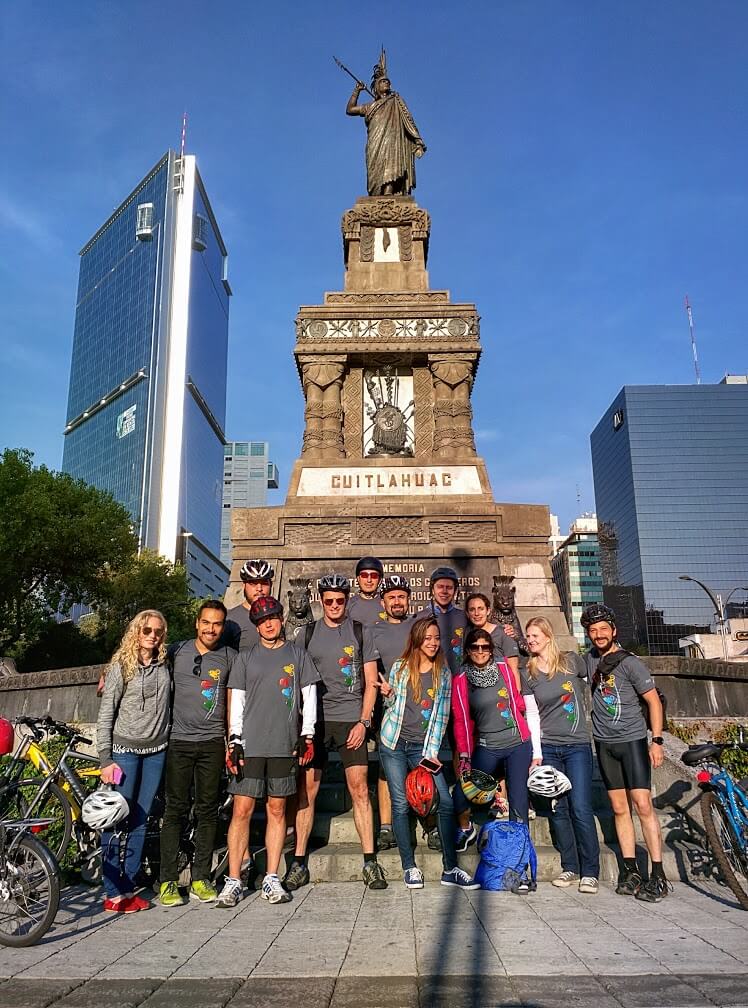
(147, 398)
(670, 465)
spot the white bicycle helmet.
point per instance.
(104, 808)
(548, 781)
(257, 570)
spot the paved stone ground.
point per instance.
(339, 946)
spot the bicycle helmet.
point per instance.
(548, 781)
(421, 792)
(369, 564)
(445, 572)
(334, 582)
(256, 570)
(394, 582)
(479, 787)
(104, 808)
(7, 737)
(263, 608)
(597, 613)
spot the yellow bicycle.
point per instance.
(56, 792)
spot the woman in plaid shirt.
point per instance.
(417, 699)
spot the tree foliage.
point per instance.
(59, 537)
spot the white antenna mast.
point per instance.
(693, 341)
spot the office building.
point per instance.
(248, 474)
(556, 537)
(670, 466)
(577, 573)
(147, 397)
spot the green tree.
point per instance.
(147, 581)
(58, 537)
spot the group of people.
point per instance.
(445, 684)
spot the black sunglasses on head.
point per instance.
(198, 664)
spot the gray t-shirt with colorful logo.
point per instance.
(561, 702)
(616, 711)
(390, 641)
(367, 611)
(335, 653)
(504, 645)
(199, 704)
(272, 679)
(452, 628)
(416, 713)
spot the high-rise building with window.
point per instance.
(576, 572)
(248, 474)
(670, 465)
(147, 397)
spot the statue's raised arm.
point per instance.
(393, 141)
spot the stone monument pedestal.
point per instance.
(388, 464)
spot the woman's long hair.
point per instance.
(472, 637)
(410, 658)
(556, 661)
(128, 653)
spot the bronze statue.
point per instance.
(299, 606)
(505, 613)
(393, 141)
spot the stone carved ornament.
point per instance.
(504, 611)
(366, 330)
(299, 606)
(385, 213)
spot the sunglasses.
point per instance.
(333, 602)
(479, 647)
(198, 665)
(152, 631)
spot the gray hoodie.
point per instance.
(134, 716)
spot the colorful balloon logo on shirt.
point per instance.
(568, 702)
(456, 642)
(346, 666)
(427, 706)
(503, 707)
(209, 690)
(286, 684)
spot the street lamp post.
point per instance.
(719, 611)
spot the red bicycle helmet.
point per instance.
(7, 737)
(264, 607)
(421, 792)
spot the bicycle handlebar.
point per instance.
(38, 726)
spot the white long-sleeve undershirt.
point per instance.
(532, 716)
(308, 712)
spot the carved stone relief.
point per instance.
(323, 415)
(365, 330)
(453, 414)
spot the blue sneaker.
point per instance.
(413, 878)
(461, 879)
(465, 837)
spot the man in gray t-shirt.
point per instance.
(257, 580)
(344, 656)
(366, 606)
(618, 681)
(444, 585)
(196, 753)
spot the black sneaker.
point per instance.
(629, 883)
(433, 840)
(374, 875)
(654, 889)
(296, 876)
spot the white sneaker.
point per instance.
(273, 891)
(230, 895)
(588, 884)
(413, 878)
(565, 879)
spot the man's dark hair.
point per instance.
(212, 603)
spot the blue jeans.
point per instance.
(572, 823)
(142, 776)
(397, 762)
(516, 764)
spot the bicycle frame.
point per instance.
(729, 792)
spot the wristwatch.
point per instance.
(658, 740)
(365, 722)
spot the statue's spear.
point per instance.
(343, 67)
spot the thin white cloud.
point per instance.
(18, 216)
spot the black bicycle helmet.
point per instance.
(257, 570)
(334, 582)
(597, 613)
(369, 564)
(394, 582)
(445, 572)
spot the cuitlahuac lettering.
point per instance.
(387, 463)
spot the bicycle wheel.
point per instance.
(728, 852)
(23, 800)
(29, 891)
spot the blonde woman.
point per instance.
(557, 683)
(416, 711)
(132, 734)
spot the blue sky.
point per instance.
(587, 166)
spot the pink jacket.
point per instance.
(464, 729)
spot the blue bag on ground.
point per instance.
(507, 856)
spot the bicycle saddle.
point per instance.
(701, 753)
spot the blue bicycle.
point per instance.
(724, 809)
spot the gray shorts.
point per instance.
(272, 776)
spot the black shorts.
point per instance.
(331, 735)
(271, 776)
(624, 764)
